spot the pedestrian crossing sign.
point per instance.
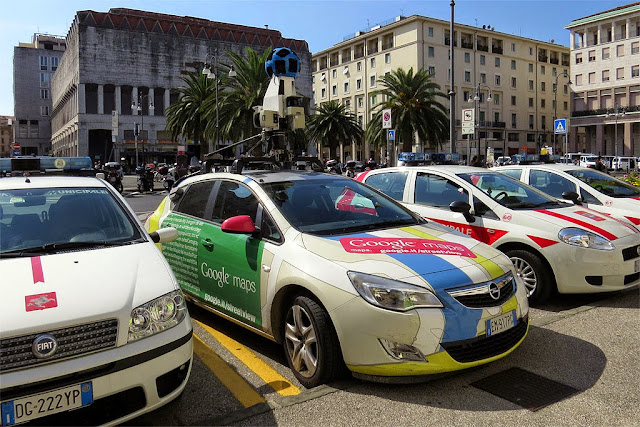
(560, 126)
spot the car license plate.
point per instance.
(43, 404)
(501, 323)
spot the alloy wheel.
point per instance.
(526, 273)
(301, 341)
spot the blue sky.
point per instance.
(321, 23)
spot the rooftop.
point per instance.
(621, 10)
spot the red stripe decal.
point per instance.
(36, 269)
(591, 227)
(542, 242)
(40, 301)
(635, 221)
(636, 198)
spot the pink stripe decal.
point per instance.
(36, 269)
(591, 227)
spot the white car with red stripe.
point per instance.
(93, 320)
(553, 245)
(594, 189)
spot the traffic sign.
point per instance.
(391, 135)
(386, 118)
(468, 115)
(560, 126)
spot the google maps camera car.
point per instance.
(282, 109)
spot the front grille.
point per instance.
(482, 347)
(630, 278)
(630, 253)
(479, 296)
(16, 352)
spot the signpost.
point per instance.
(560, 127)
(16, 150)
(386, 124)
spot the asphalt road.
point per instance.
(590, 343)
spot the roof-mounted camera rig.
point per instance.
(282, 110)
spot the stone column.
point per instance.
(572, 40)
(118, 100)
(599, 34)
(167, 98)
(82, 100)
(134, 99)
(599, 139)
(150, 101)
(100, 99)
(628, 28)
(627, 147)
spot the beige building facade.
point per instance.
(6, 135)
(519, 73)
(605, 67)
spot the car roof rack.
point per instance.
(254, 163)
(307, 163)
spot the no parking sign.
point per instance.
(386, 118)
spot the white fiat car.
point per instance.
(553, 245)
(92, 318)
(340, 274)
(591, 188)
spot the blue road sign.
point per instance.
(391, 135)
(560, 126)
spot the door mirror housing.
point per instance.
(163, 235)
(241, 224)
(573, 196)
(464, 208)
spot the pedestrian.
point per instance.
(600, 166)
(475, 162)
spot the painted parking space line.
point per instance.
(237, 385)
(269, 375)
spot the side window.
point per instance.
(391, 184)
(513, 173)
(550, 183)
(234, 199)
(589, 198)
(195, 199)
(437, 191)
(268, 228)
(480, 209)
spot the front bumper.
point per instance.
(127, 381)
(446, 337)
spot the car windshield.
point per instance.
(591, 159)
(509, 192)
(334, 206)
(605, 184)
(51, 218)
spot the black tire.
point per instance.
(120, 187)
(535, 273)
(313, 362)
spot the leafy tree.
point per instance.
(332, 124)
(415, 110)
(188, 116)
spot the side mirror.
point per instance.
(241, 224)
(176, 193)
(464, 208)
(163, 235)
(573, 196)
(100, 175)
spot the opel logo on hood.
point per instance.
(44, 346)
(494, 291)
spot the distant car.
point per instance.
(92, 319)
(553, 244)
(588, 161)
(339, 274)
(594, 190)
(624, 163)
(503, 160)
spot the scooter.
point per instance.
(145, 178)
(169, 179)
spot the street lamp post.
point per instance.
(618, 112)
(137, 105)
(476, 100)
(555, 105)
(212, 59)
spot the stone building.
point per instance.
(605, 67)
(519, 73)
(33, 66)
(6, 135)
(123, 58)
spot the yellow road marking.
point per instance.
(269, 375)
(230, 378)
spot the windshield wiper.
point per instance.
(52, 247)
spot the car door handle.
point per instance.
(207, 243)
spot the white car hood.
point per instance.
(59, 290)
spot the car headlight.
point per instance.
(392, 294)
(157, 315)
(585, 239)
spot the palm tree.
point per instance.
(239, 95)
(188, 116)
(332, 124)
(415, 110)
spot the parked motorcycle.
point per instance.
(113, 176)
(145, 178)
(169, 178)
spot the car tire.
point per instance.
(534, 273)
(310, 343)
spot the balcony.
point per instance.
(346, 58)
(372, 49)
(496, 49)
(466, 45)
(448, 42)
(484, 124)
(483, 47)
(543, 58)
(334, 62)
(358, 54)
(554, 61)
(603, 111)
(387, 46)
(565, 62)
